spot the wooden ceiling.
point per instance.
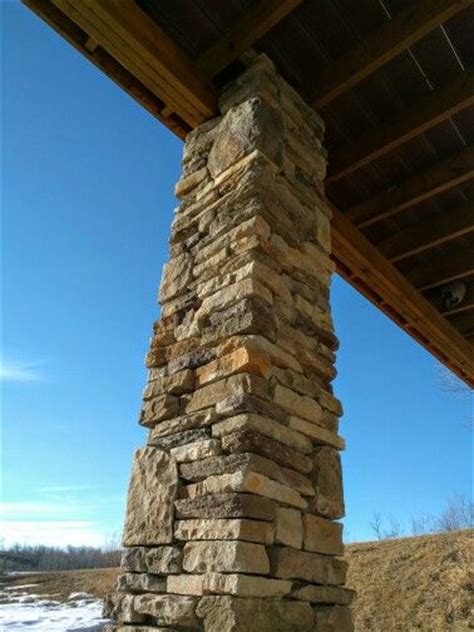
(393, 80)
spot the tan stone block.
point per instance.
(266, 426)
(289, 527)
(182, 423)
(231, 294)
(324, 594)
(261, 346)
(140, 583)
(318, 434)
(168, 609)
(327, 400)
(322, 536)
(249, 462)
(298, 405)
(334, 619)
(250, 482)
(225, 556)
(185, 584)
(163, 560)
(327, 479)
(249, 440)
(121, 607)
(211, 394)
(290, 563)
(188, 183)
(226, 506)
(239, 361)
(230, 529)
(196, 450)
(177, 275)
(181, 382)
(221, 613)
(151, 495)
(245, 585)
(157, 409)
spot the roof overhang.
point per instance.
(391, 245)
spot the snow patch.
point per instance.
(25, 611)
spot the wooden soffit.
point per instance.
(394, 82)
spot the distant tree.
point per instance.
(450, 383)
(458, 514)
(376, 525)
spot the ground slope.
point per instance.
(413, 584)
(422, 584)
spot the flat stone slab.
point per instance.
(151, 495)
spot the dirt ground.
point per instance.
(422, 584)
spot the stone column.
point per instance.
(233, 504)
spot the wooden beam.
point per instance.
(383, 45)
(446, 267)
(257, 20)
(140, 46)
(430, 231)
(366, 268)
(427, 112)
(68, 29)
(443, 176)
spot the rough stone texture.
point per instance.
(334, 619)
(231, 529)
(324, 594)
(151, 494)
(289, 527)
(229, 518)
(168, 609)
(312, 567)
(322, 536)
(163, 560)
(225, 556)
(234, 614)
(327, 479)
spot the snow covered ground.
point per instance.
(21, 609)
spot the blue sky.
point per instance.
(87, 200)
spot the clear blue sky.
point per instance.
(87, 198)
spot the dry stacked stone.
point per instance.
(233, 504)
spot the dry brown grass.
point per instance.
(413, 584)
(407, 585)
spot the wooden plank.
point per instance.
(366, 268)
(443, 227)
(63, 25)
(439, 178)
(138, 44)
(445, 267)
(429, 111)
(257, 20)
(383, 45)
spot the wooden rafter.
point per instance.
(258, 19)
(367, 269)
(437, 179)
(444, 226)
(133, 50)
(429, 111)
(140, 46)
(381, 46)
(446, 267)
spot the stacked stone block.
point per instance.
(233, 504)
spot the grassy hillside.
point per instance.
(411, 584)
